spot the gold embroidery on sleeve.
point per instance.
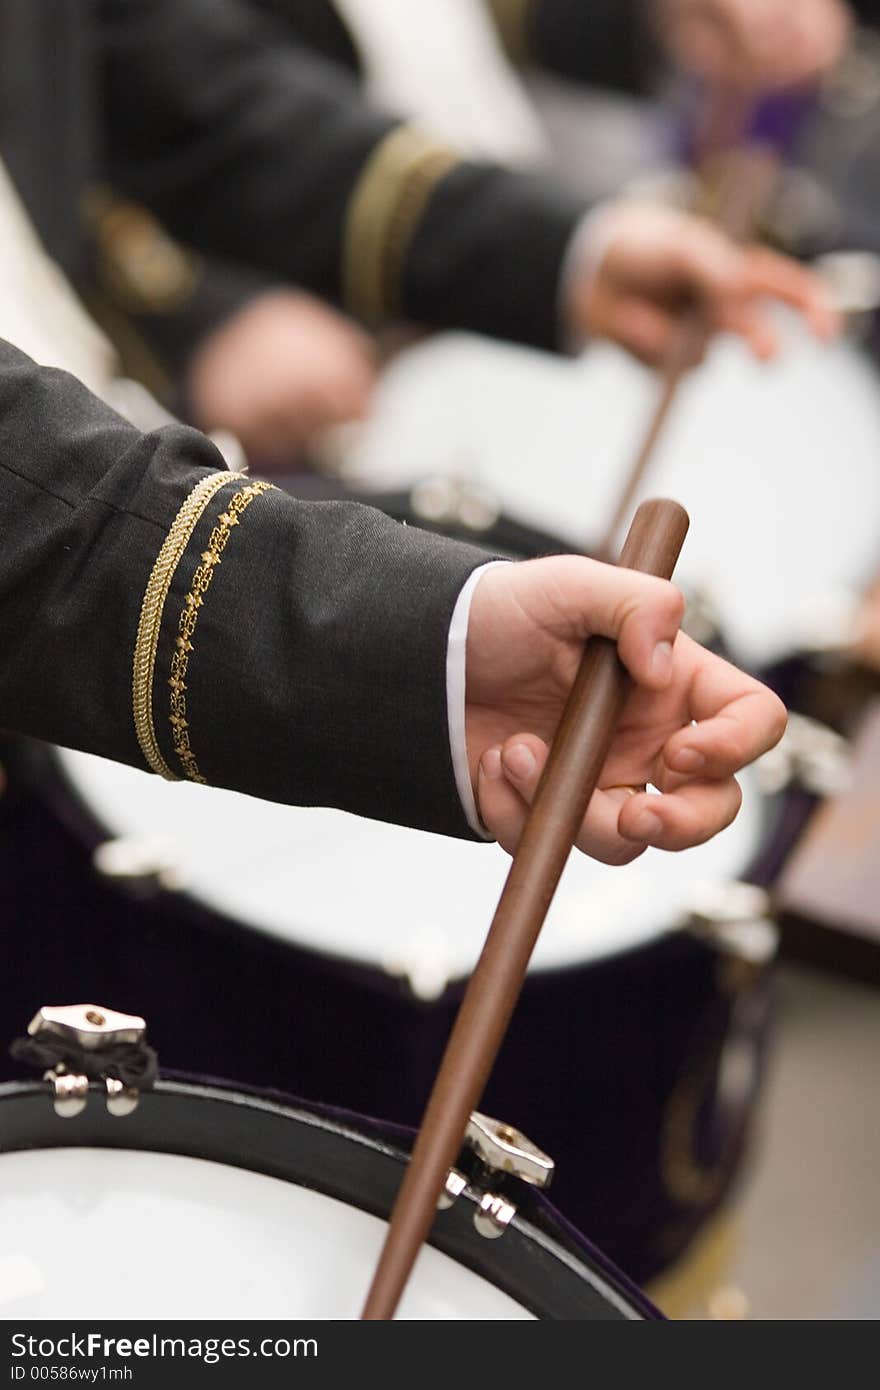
(189, 617)
(384, 211)
(152, 609)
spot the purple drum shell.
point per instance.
(614, 1068)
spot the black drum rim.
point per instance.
(540, 1262)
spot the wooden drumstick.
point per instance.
(576, 758)
(749, 176)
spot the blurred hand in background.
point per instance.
(656, 263)
(278, 372)
(760, 43)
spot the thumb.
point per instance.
(582, 598)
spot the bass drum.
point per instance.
(341, 948)
(223, 1205)
(776, 464)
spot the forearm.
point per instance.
(264, 154)
(314, 635)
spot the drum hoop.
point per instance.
(539, 1262)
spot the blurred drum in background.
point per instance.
(327, 955)
(784, 453)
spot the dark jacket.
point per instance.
(255, 149)
(315, 667)
(606, 42)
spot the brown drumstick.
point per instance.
(748, 178)
(579, 750)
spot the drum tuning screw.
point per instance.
(122, 1100)
(88, 1042)
(70, 1093)
(456, 1183)
(493, 1216)
(504, 1149)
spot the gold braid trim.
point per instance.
(514, 22)
(384, 211)
(152, 608)
(189, 617)
(139, 265)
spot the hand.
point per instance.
(690, 724)
(659, 262)
(279, 371)
(760, 43)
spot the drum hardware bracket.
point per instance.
(810, 756)
(454, 500)
(82, 1045)
(144, 864)
(494, 1150)
(737, 918)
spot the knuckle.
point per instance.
(649, 598)
(778, 719)
(677, 603)
(616, 854)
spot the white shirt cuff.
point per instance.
(456, 686)
(580, 264)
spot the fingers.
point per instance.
(646, 330)
(730, 281)
(621, 822)
(767, 273)
(507, 782)
(757, 43)
(783, 43)
(753, 324)
(735, 303)
(706, 261)
(502, 810)
(683, 818)
(728, 719)
(737, 720)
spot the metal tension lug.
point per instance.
(493, 1216)
(496, 1149)
(87, 1026)
(77, 1029)
(811, 757)
(69, 1093)
(504, 1149)
(455, 1184)
(122, 1100)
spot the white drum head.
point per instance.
(402, 901)
(155, 1236)
(777, 464)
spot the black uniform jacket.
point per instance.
(160, 611)
(607, 42)
(257, 149)
(219, 630)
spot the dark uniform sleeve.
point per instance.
(157, 610)
(156, 298)
(607, 43)
(263, 152)
(317, 23)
